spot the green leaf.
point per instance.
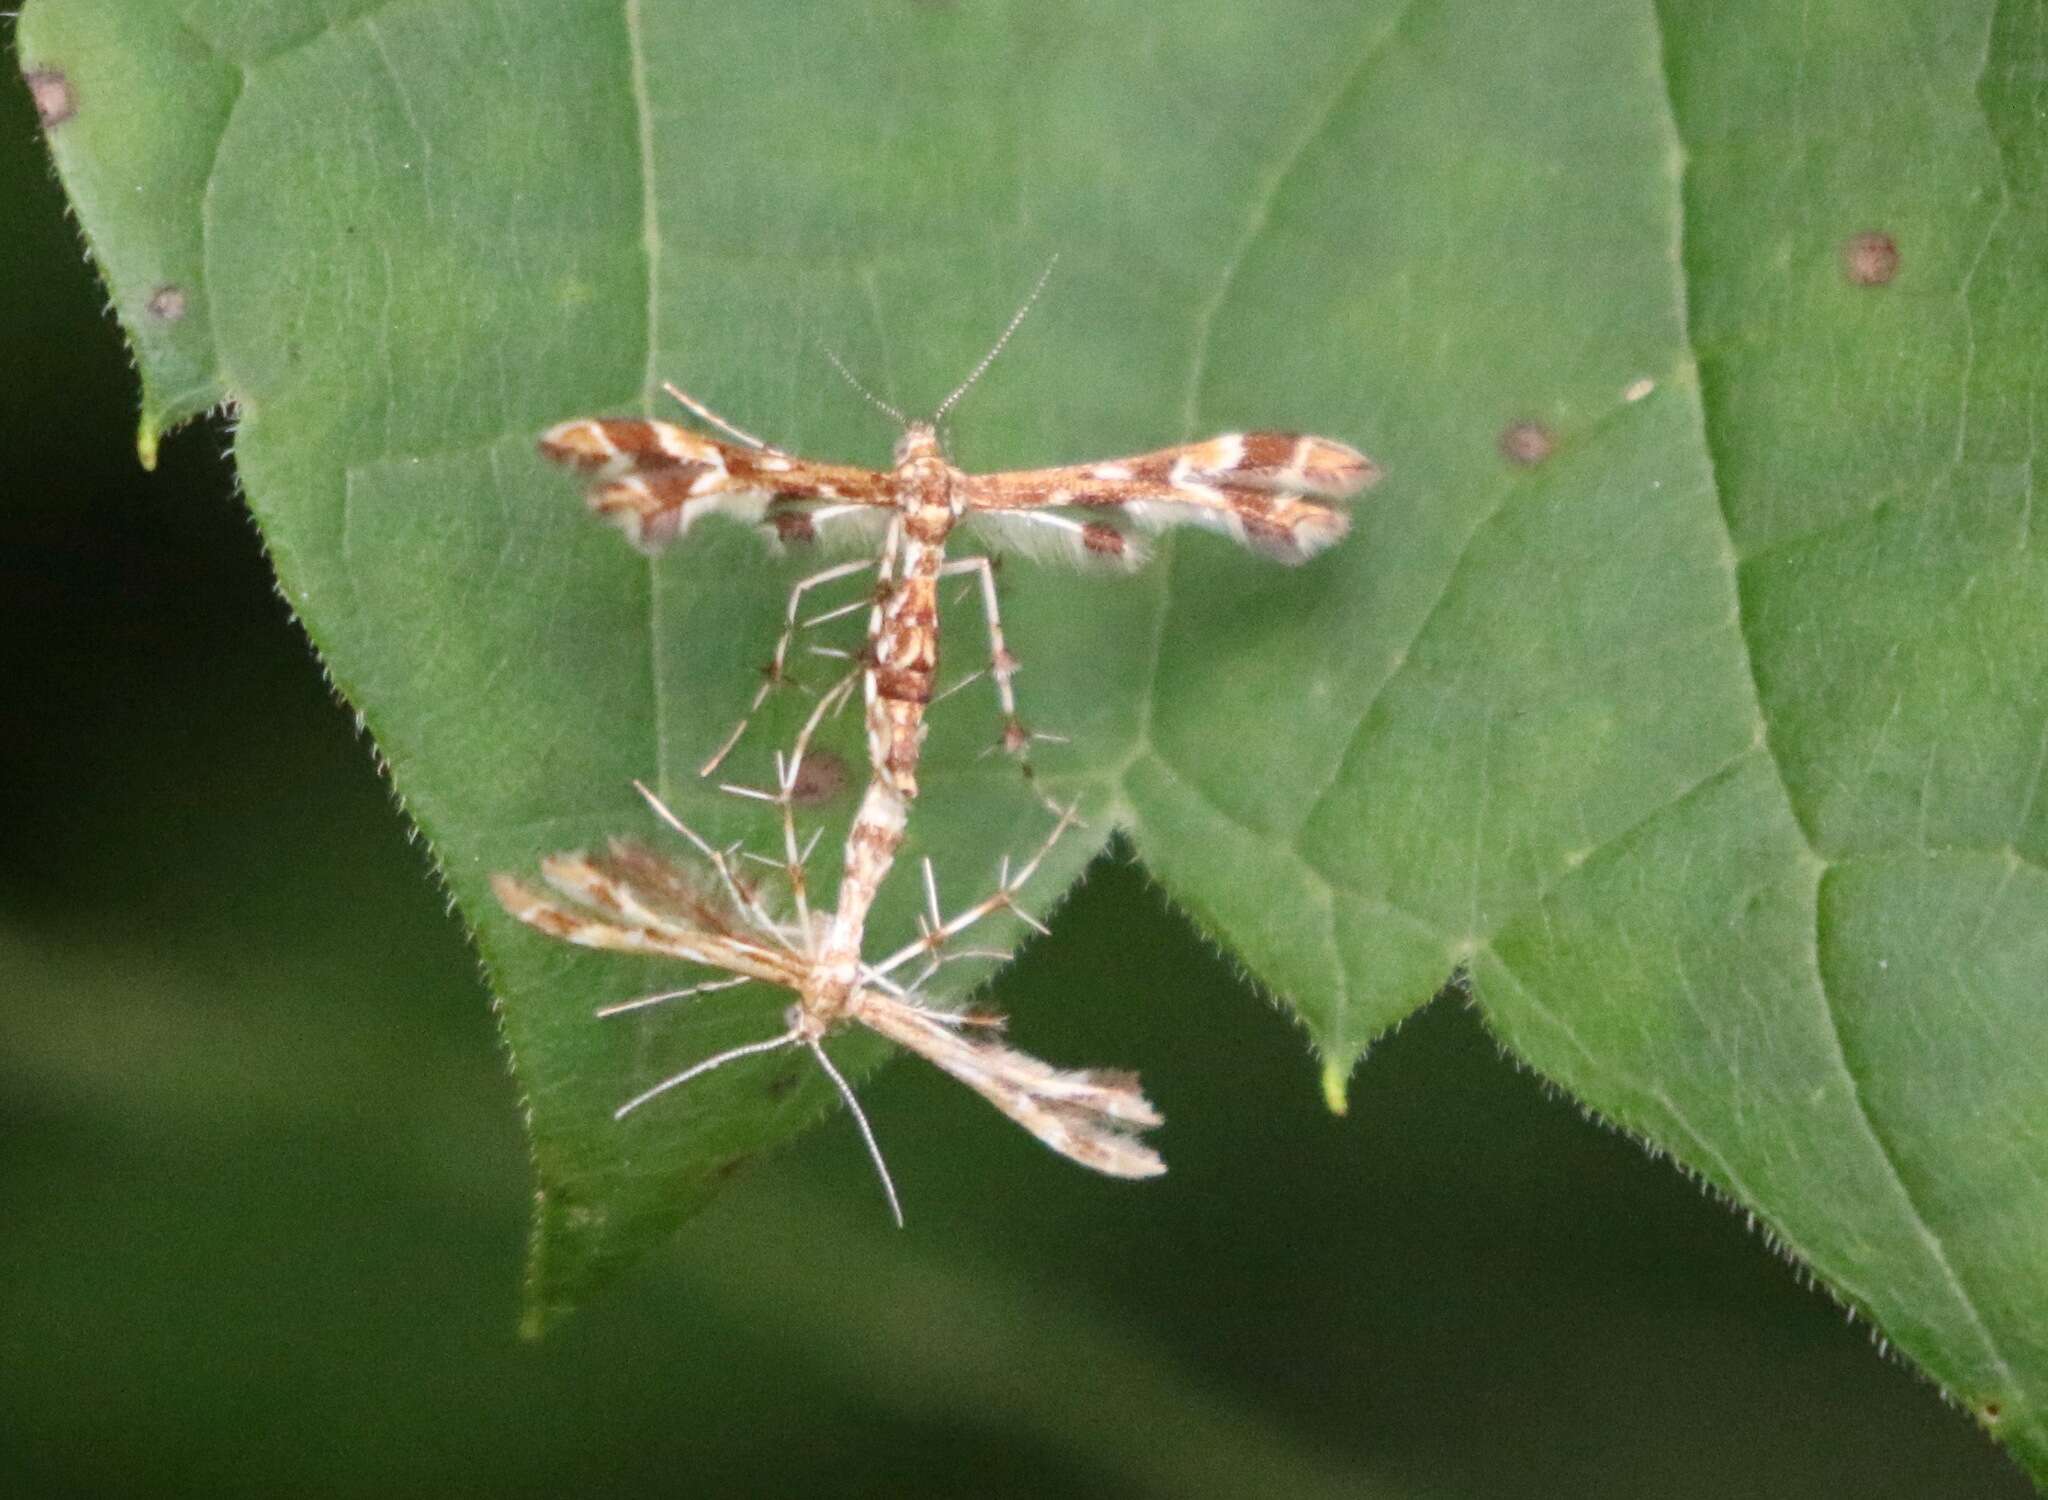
(1683, 681)
(134, 103)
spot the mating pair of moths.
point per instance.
(1271, 491)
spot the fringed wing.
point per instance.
(655, 480)
(1046, 535)
(1270, 491)
(635, 901)
(1091, 1116)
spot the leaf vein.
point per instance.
(405, 107)
(1320, 882)
(1271, 184)
(650, 240)
(2012, 1392)
(1710, 454)
(1490, 510)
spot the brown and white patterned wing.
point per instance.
(1273, 492)
(654, 480)
(637, 904)
(1090, 1116)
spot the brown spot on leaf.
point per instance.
(167, 303)
(1870, 258)
(1990, 1413)
(52, 92)
(1527, 444)
(820, 778)
(731, 1167)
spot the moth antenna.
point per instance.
(996, 348)
(859, 1118)
(620, 1007)
(733, 1054)
(872, 399)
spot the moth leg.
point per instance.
(777, 670)
(937, 931)
(796, 855)
(789, 1038)
(1017, 737)
(707, 415)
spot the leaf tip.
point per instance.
(535, 1319)
(1336, 1095)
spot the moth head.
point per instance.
(920, 440)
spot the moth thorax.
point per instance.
(825, 992)
(929, 496)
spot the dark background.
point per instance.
(266, 1194)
